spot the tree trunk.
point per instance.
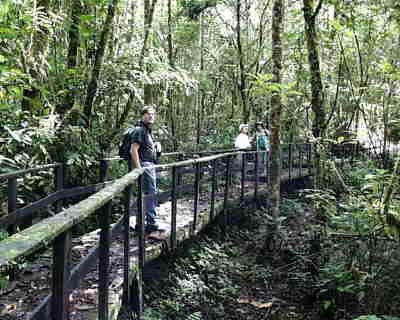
(92, 87)
(276, 106)
(242, 71)
(74, 39)
(200, 91)
(170, 95)
(149, 7)
(317, 106)
(313, 60)
(149, 13)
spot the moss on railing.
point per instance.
(43, 233)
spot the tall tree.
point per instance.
(200, 92)
(98, 61)
(242, 71)
(72, 58)
(276, 105)
(171, 62)
(149, 7)
(317, 106)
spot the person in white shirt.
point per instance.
(242, 141)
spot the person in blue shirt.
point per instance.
(262, 142)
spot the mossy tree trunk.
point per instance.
(171, 62)
(200, 92)
(317, 101)
(276, 105)
(73, 46)
(242, 71)
(310, 16)
(149, 7)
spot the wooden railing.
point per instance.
(22, 217)
(56, 231)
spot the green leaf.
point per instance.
(327, 304)
(336, 24)
(8, 33)
(87, 18)
(3, 59)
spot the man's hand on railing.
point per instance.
(157, 146)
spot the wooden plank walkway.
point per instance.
(34, 284)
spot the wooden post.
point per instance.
(243, 177)
(103, 170)
(267, 168)
(315, 170)
(104, 260)
(179, 181)
(213, 189)
(300, 160)
(290, 161)
(59, 184)
(61, 267)
(309, 146)
(256, 176)
(354, 153)
(173, 209)
(12, 200)
(358, 150)
(142, 246)
(226, 192)
(196, 196)
(126, 225)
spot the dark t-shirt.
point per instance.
(142, 136)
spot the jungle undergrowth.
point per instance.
(229, 275)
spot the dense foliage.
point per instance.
(315, 275)
(75, 74)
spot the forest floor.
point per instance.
(236, 277)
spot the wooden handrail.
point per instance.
(39, 235)
(44, 232)
(19, 173)
(170, 154)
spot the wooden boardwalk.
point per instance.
(30, 298)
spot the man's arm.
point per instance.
(135, 155)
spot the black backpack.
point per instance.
(125, 146)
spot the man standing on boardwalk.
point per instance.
(144, 153)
